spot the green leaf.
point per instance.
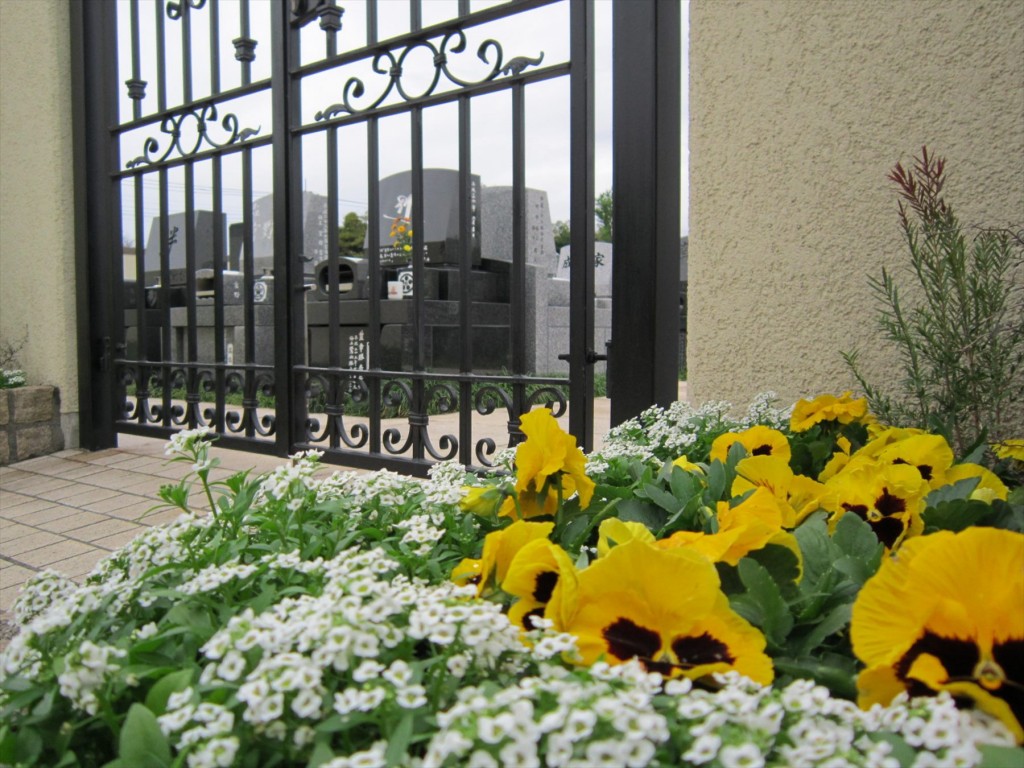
(900, 749)
(662, 498)
(996, 756)
(855, 538)
(961, 489)
(956, 515)
(398, 740)
(321, 754)
(834, 621)
(782, 564)
(156, 699)
(142, 743)
(835, 672)
(717, 479)
(638, 511)
(818, 549)
(28, 746)
(762, 589)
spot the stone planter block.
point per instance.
(29, 423)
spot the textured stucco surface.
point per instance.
(37, 299)
(798, 110)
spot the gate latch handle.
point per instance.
(590, 358)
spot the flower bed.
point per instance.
(805, 588)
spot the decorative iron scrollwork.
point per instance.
(136, 89)
(251, 385)
(245, 49)
(176, 7)
(332, 393)
(172, 126)
(393, 66)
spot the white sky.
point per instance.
(547, 103)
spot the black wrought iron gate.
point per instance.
(220, 291)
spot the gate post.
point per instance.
(643, 358)
(94, 110)
(289, 290)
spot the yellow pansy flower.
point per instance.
(623, 610)
(534, 573)
(843, 409)
(685, 464)
(547, 452)
(500, 547)
(889, 497)
(930, 454)
(750, 525)
(758, 440)
(1009, 449)
(613, 532)
(945, 614)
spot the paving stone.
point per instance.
(77, 519)
(116, 505)
(10, 531)
(118, 540)
(41, 512)
(80, 565)
(107, 527)
(20, 547)
(8, 596)
(12, 575)
(61, 550)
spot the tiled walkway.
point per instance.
(68, 510)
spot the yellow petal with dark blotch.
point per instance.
(929, 454)
(764, 472)
(468, 571)
(522, 609)
(613, 532)
(536, 566)
(986, 702)
(501, 546)
(639, 601)
(878, 685)
(758, 440)
(542, 453)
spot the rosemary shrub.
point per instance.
(958, 328)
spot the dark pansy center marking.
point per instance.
(888, 529)
(473, 579)
(545, 585)
(1010, 657)
(890, 505)
(924, 469)
(958, 657)
(529, 616)
(762, 450)
(627, 639)
(703, 649)
(861, 510)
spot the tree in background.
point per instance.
(603, 207)
(351, 235)
(562, 235)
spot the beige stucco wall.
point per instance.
(798, 110)
(37, 300)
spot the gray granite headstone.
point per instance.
(602, 267)
(497, 227)
(314, 231)
(205, 224)
(440, 213)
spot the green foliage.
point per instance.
(352, 235)
(604, 207)
(958, 327)
(562, 234)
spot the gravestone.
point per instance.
(205, 225)
(440, 217)
(497, 227)
(602, 267)
(314, 231)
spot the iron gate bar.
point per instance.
(165, 304)
(518, 286)
(161, 58)
(244, 45)
(491, 86)
(136, 56)
(465, 265)
(214, 49)
(581, 209)
(219, 354)
(374, 47)
(163, 113)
